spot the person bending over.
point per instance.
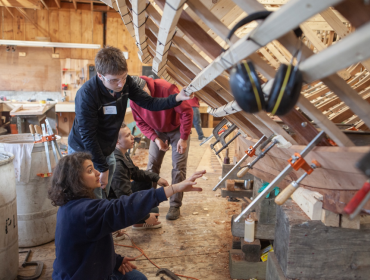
(172, 126)
(83, 239)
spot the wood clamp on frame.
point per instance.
(278, 178)
(239, 163)
(297, 162)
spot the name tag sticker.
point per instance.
(110, 110)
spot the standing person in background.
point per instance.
(197, 122)
(166, 127)
(101, 107)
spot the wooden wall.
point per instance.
(61, 25)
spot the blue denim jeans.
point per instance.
(111, 161)
(197, 123)
(132, 275)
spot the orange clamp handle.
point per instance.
(47, 138)
(251, 151)
(44, 175)
(300, 163)
(357, 198)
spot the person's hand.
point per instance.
(196, 175)
(161, 146)
(153, 220)
(181, 146)
(126, 266)
(187, 185)
(104, 179)
(162, 182)
(183, 96)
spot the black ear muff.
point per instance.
(246, 87)
(285, 90)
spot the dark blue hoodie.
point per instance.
(83, 238)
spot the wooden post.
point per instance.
(251, 250)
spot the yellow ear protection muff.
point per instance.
(246, 87)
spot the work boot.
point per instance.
(173, 213)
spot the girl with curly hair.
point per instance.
(83, 239)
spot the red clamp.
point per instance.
(251, 151)
(299, 162)
(44, 175)
(357, 199)
(47, 138)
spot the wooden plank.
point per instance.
(310, 202)
(320, 241)
(288, 16)
(138, 19)
(76, 31)
(30, 28)
(87, 31)
(273, 269)
(98, 30)
(241, 269)
(19, 26)
(266, 232)
(54, 25)
(111, 33)
(171, 14)
(330, 219)
(349, 96)
(335, 22)
(356, 11)
(43, 23)
(8, 18)
(348, 51)
(64, 32)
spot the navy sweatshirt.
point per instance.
(83, 238)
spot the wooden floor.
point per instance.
(194, 245)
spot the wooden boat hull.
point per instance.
(337, 180)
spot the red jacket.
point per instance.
(194, 102)
(166, 120)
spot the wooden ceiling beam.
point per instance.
(9, 11)
(171, 14)
(31, 4)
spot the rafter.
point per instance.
(7, 8)
(171, 13)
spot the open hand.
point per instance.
(187, 185)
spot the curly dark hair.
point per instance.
(66, 183)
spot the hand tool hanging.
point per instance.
(358, 201)
(249, 153)
(228, 143)
(297, 162)
(220, 128)
(279, 178)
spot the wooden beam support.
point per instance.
(23, 12)
(171, 14)
(348, 51)
(75, 4)
(58, 3)
(44, 4)
(7, 8)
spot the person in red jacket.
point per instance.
(172, 126)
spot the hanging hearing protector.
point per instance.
(246, 87)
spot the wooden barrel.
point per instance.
(8, 219)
